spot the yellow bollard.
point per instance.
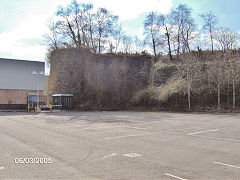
(50, 107)
(28, 107)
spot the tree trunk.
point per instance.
(99, 43)
(79, 38)
(228, 93)
(212, 42)
(84, 40)
(176, 102)
(219, 98)
(78, 33)
(178, 48)
(189, 97)
(187, 42)
(169, 45)
(211, 36)
(91, 36)
(73, 36)
(154, 47)
(234, 94)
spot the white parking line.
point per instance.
(211, 130)
(224, 164)
(93, 128)
(183, 122)
(155, 132)
(146, 123)
(138, 128)
(225, 139)
(87, 127)
(134, 135)
(102, 132)
(70, 126)
(176, 177)
(111, 155)
(1, 168)
(135, 122)
(159, 123)
(132, 155)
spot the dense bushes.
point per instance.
(194, 83)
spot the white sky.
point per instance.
(23, 22)
(130, 9)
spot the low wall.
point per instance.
(15, 98)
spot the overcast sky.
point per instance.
(23, 22)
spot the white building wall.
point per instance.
(17, 74)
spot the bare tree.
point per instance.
(84, 27)
(118, 36)
(73, 23)
(226, 38)
(182, 15)
(90, 27)
(138, 43)
(165, 21)
(52, 40)
(187, 34)
(105, 21)
(151, 30)
(66, 24)
(217, 76)
(85, 22)
(209, 24)
(233, 70)
(188, 71)
(127, 43)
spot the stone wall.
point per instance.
(98, 81)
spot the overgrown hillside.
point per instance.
(196, 81)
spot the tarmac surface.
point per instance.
(119, 145)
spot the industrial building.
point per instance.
(22, 82)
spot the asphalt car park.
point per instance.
(119, 145)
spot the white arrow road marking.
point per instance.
(211, 130)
